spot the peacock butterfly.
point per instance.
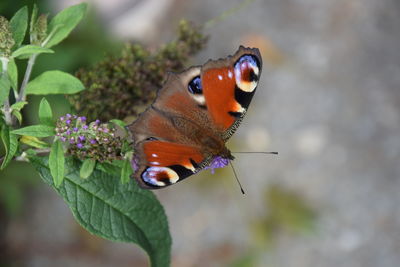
(185, 129)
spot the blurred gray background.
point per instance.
(328, 101)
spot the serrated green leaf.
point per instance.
(4, 88)
(57, 163)
(126, 172)
(18, 105)
(33, 142)
(54, 82)
(108, 168)
(10, 142)
(115, 211)
(28, 50)
(45, 113)
(87, 168)
(18, 24)
(118, 163)
(13, 73)
(18, 115)
(39, 130)
(65, 21)
(114, 168)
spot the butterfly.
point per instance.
(197, 110)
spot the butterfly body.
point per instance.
(193, 116)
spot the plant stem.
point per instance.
(23, 157)
(31, 62)
(6, 109)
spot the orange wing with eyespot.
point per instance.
(228, 87)
(166, 163)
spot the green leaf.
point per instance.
(45, 113)
(16, 108)
(109, 168)
(10, 143)
(28, 50)
(126, 172)
(57, 163)
(54, 82)
(18, 115)
(115, 211)
(64, 22)
(18, 24)
(118, 163)
(13, 73)
(119, 123)
(36, 130)
(18, 105)
(33, 19)
(87, 168)
(33, 142)
(4, 88)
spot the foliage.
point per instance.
(115, 211)
(86, 161)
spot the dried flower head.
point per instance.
(121, 86)
(96, 140)
(39, 30)
(6, 38)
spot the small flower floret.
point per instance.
(217, 162)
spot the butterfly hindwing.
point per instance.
(165, 163)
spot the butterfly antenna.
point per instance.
(237, 179)
(256, 152)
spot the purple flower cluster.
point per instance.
(94, 140)
(217, 162)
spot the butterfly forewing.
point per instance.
(229, 85)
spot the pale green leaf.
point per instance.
(45, 113)
(126, 172)
(33, 19)
(36, 130)
(64, 22)
(18, 24)
(4, 88)
(18, 105)
(10, 142)
(87, 168)
(57, 163)
(28, 50)
(13, 73)
(33, 141)
(54, 82)
(119, 123)
(18, 115)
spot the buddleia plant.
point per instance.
(86, 156)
